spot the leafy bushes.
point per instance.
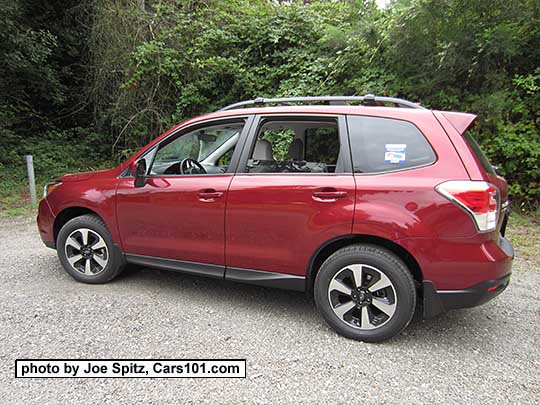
(135, 68)
(515, 142)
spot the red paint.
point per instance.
(169, 217)
(460, 121)
(276, 222)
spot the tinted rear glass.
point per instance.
(382, 145)
(473, 145)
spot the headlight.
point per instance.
(49, 187)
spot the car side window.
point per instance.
(384, 144)
(210, 147)
(310, 146)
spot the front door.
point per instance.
(179, 213)
(293, 192)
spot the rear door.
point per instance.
(293, 191)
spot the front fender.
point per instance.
(98, 196)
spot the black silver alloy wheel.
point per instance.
(86, 252)
(362, 296)
(365, 292)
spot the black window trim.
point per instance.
(395, 170)
(259, 120)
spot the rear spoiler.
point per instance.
(460, 121)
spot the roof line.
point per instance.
(367, 100)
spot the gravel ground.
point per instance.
(487, 354)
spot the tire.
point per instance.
(377, 309)
(87, 252)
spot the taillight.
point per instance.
(478, 198)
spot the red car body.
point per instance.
(274, 224)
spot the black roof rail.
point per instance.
(367, 100)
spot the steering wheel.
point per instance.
(191, 166)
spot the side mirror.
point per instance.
(140, 173)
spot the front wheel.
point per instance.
(365, 292)
(87, 252)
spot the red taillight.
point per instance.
(478, 201)
(478, 198)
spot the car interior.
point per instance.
(296, 147)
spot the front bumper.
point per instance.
(45, 223)
(436, 302)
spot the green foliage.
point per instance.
(129, 69)
(280, 140)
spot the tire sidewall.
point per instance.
(113, 265)
(399, 277)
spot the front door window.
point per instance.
(203, 151)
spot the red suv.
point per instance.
(372, 204)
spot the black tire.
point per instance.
(374, 257)
(114, 258)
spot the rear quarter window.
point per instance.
(384, 144)
(480, 155)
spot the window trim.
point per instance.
(394, 170)
(259, 121)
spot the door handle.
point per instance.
(210, 194)
(329, 194)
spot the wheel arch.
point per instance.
(331, 246)
(68, 214)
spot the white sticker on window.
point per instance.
(394, 152)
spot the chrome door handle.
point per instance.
(210, 194)
(329, 195)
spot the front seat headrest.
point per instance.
(263, 150)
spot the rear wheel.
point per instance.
(87, 252)
(365, 292)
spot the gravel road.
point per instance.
(488, 354)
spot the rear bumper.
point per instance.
(436, 302)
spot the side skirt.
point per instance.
(266, 278)
(207, 270)
(248, 276)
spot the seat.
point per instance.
(263, 150)
(262, 160)
(296, 150)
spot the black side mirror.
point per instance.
(140, 173)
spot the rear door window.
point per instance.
(383, 145)
(296, 146)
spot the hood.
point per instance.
(84, 176)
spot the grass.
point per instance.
(524, 232)
(15, 199)
(14, 191)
